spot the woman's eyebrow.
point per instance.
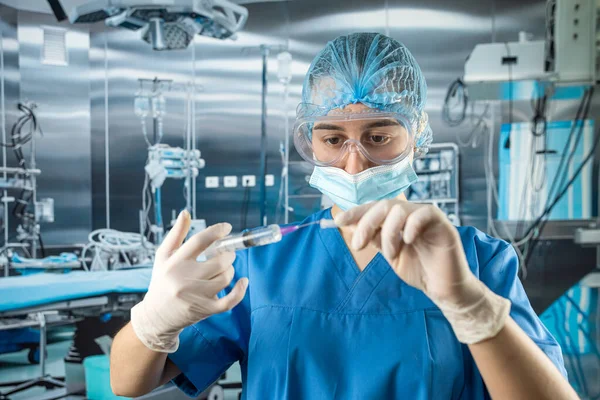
(381, 123)
(328, 127)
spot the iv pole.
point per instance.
(263, 137)
(265, 51)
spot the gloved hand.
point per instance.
(426, 252)
(183, 291)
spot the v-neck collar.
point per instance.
(344, 261)
(362, 286)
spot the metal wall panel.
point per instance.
(10, 77)
(228, 115)
(129, 58)
(62, 94)
(98, 99)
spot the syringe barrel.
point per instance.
(249, 238)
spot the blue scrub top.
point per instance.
(313, 326)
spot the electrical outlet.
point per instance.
(248, 181)
(211, 182)
(230, 181)
(270, 180)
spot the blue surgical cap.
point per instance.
(371, 69)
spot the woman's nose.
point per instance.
(355, 161)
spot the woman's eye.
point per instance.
(332, 141)
(378, 139)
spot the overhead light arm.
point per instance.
(57, 10)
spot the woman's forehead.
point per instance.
(352, 108)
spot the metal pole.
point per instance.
(34, 238)
(43, 333)
(19, 170)
(158, 215)
(287, 154)
(155, 127)
(142, 223)
(193, 116)
(2, 75)
(263, 139)
(188, 147)
(106, 142)
(155, 86)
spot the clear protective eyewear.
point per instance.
(382, 138)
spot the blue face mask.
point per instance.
(373, 184)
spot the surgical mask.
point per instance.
(373, 184)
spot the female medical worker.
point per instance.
(397, 303)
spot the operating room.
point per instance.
(246, 199)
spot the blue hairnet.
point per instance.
(372, 69)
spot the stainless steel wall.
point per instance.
(439, 33)
(10, 79)
(62, 94)
(10, 59)
(229, 114)
(127, 59)
(227, 118)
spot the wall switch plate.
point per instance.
(230, 181)
(248, 181)
(270, 180)
(211, 182)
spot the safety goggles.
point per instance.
(382, 138)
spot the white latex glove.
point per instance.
(183, 291)
(426, 252)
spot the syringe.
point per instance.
(258, 237)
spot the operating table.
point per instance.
(43, 300)
(96, 302)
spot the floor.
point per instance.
(14, 367)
